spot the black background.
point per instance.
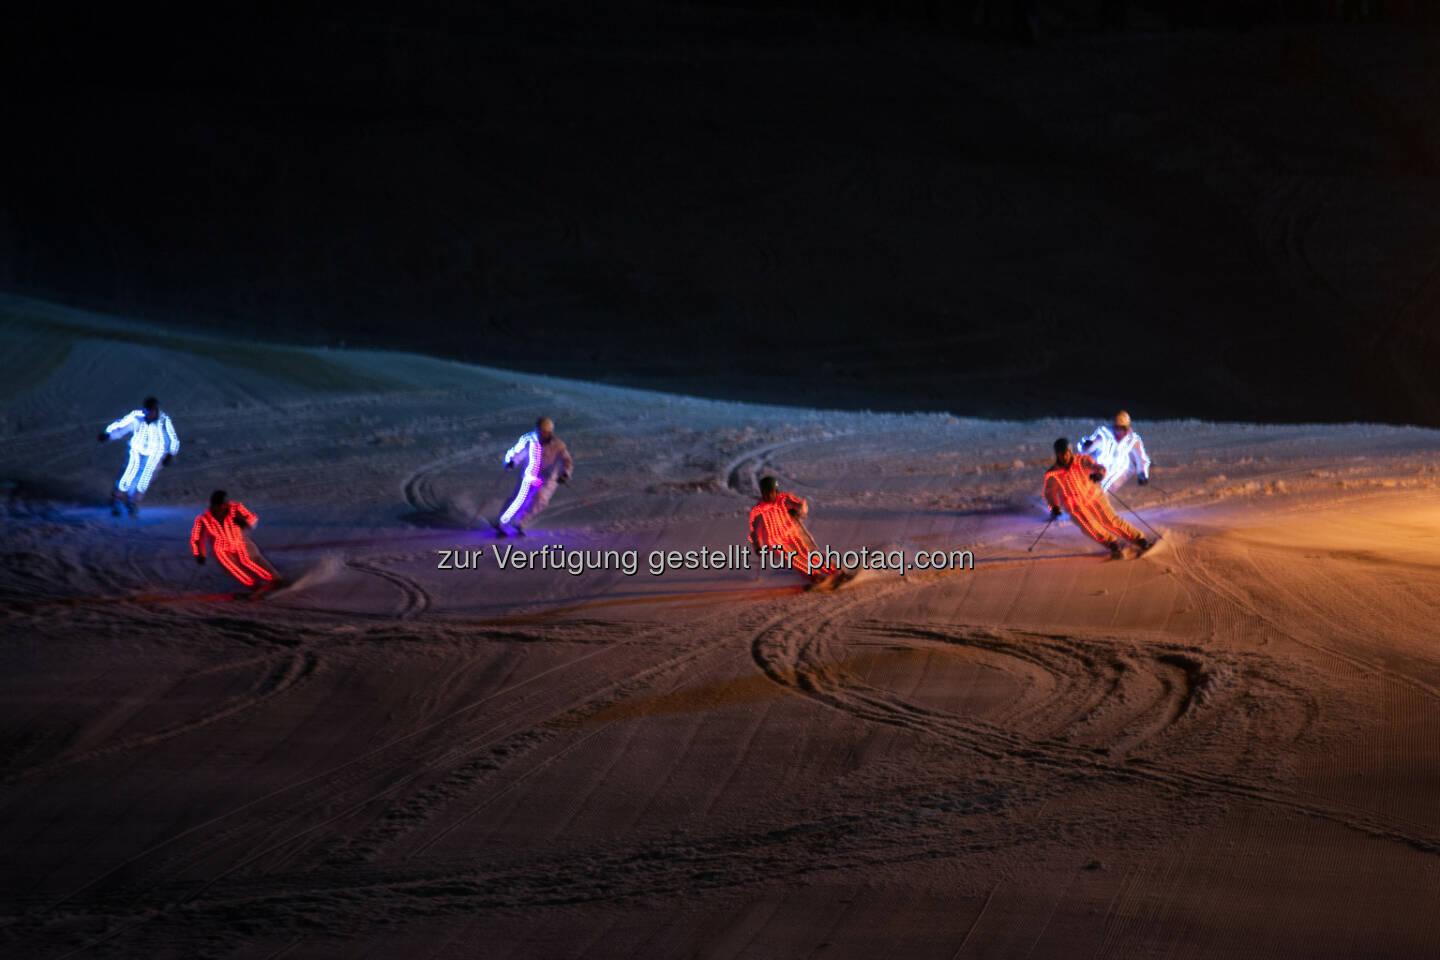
(1223, 212)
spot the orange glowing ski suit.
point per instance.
(776, 524)
(232, 548)
(1070, 488)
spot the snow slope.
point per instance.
(1228, 748)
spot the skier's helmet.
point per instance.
(1061, 445)
(768, 486)
(1122, 419)
(217, 498)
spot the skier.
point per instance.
(1120, 451)
(152, 444)
(1074, 483)
(775, 524)
(540, 454)
(223, 525)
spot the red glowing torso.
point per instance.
(1071, 485)
(778, 528)
(227, 535)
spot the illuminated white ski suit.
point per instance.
(538, 475)
(149, 443)
(1120, 457)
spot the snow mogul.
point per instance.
(152, 445)
(1074, 484)
(539, 454)
(777, 524)
(222, 527)
(1119, 449)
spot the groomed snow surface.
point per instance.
(1227, 748)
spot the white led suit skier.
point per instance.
(539, 454)
(1120, 451)
(152, 443)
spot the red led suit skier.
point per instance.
(1073, 483)
(775, 524)
(223, 527)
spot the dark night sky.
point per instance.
(815, 208)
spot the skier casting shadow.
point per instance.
(539, 455)
(777, 525)
(153, 444)
(1073, 484)
(223, 528)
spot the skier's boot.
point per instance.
(1143, 544)
(519, 529)
(132, 507)
(114, 507)
(263, 587)
(1116, 552)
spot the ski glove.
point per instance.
(1097, 476)
(509, 465)
(104, 435)
(1054, 513)
(563, 478)
(200, 559)
(242, 523)
(1143, 480)
(165, 460)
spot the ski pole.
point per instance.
(1137, 516)
(1042, 533)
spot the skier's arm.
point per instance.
(199, 538)
(1139, 459)
(124, 425)
(755, 530)
(520, 445)
(1052, 493)
(172, 441)
(569, 465)
(245, 516)
(797, 506)
(1096, 471)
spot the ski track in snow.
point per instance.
(278, 675)
(798, 655)
(389, 745)
(414, 599)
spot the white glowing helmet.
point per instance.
(1122, 419)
